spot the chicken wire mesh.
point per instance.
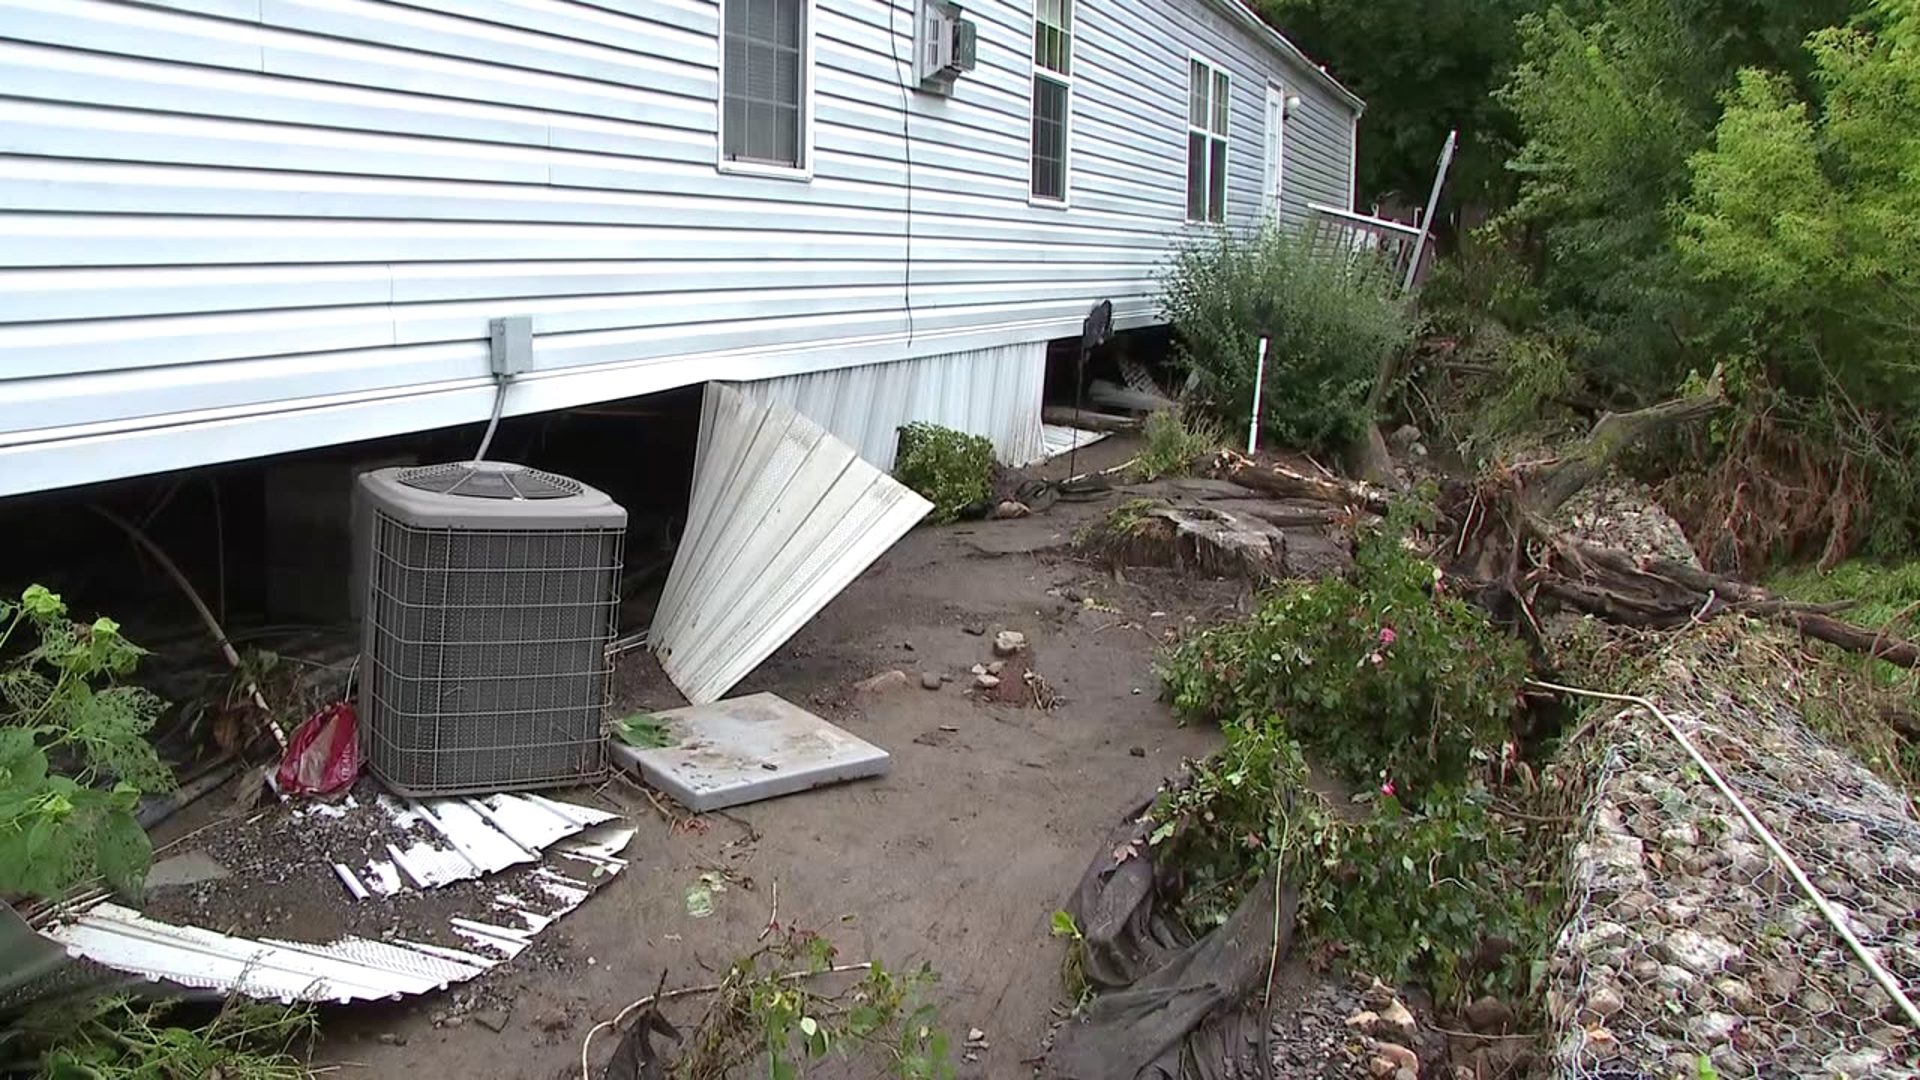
(1691, 952)
(485, 655)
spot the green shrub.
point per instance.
(1174, 440)
(65, 729)
(1406, 893)
(951, 469)
(1405, 692)
(1329, 328)
(1385, 676)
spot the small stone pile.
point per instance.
(1617, 512)
(1690, 950)
(1337, 1031)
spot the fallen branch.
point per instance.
(141, 540)
(1554, 482)
(586, 1044)
(1087, 420)
(1278, 479)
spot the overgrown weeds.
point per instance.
(116, 1039)
(770, 1007)
(74, 758)
(950, 469)
(1173, 439)
(1328, 325)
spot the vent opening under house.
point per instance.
(491, 592)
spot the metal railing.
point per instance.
(1369, 246)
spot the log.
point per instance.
(1549, 485)
(1878, 645)
(1088, 421)
(1288, 482)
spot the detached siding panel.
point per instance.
(238, 227)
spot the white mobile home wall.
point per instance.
(231, 228)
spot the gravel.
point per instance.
(1617, 512)
(1687, 941)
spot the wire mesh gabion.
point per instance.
(1690, 951)
(485, 655)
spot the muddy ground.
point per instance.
(957, 857)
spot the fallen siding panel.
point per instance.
(991, 392)
(783, 517)
(352, 968)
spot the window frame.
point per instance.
(1037, 72)
(1215, 72)
(804, 141)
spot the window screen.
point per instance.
(762, 117)
(1052, 96)
(1208, 112)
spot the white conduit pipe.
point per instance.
(1880, 974)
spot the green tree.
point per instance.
(1424, 67)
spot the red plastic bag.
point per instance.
(323, 756)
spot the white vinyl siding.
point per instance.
(1209, 127)
(1052, 98)
(765, 70)
(230, 235)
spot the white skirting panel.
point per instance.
(992, 392)
(783, 517)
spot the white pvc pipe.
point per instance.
(1259, 381)
(1880, 974)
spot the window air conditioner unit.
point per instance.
(945, 46)
(491, 591)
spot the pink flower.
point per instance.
(1378, 660)
(1387, 789)
(1387, 635)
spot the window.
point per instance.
(1206, 143)
(1052, 96)
(763, 85)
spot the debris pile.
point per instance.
(1690, 949)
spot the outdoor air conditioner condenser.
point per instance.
(490, 594)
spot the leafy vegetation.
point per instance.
(1329, 327)
(1386, 677)
(951, 469)
(115, 1039)
(68, 729)
(1173, 440)
(1405, 693)
(762, 1010)
(643, 731)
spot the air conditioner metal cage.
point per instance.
(491, 592)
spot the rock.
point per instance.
(973, 629)
(438, 1018)
(1683, 835)
(1737, 993)
(1364, 1021)
(1008, 642)
(975, 1034)
(1382, 1067)
(1861, 1063)
(455, 1021)
(1403, 438)
(1604, 1000)
(1378, 996)
(884, 682)
(552, 1020)
(930, 680)
(1400, 1056)
(986, 682)
(392, 1038)
(494, 1020)
(1714, 1026)
(996, 667)
(1600, 935)
(1404, 1073)
(1489, 1015)
(1396, 1020)
(1700, 953)
(1137, 751)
